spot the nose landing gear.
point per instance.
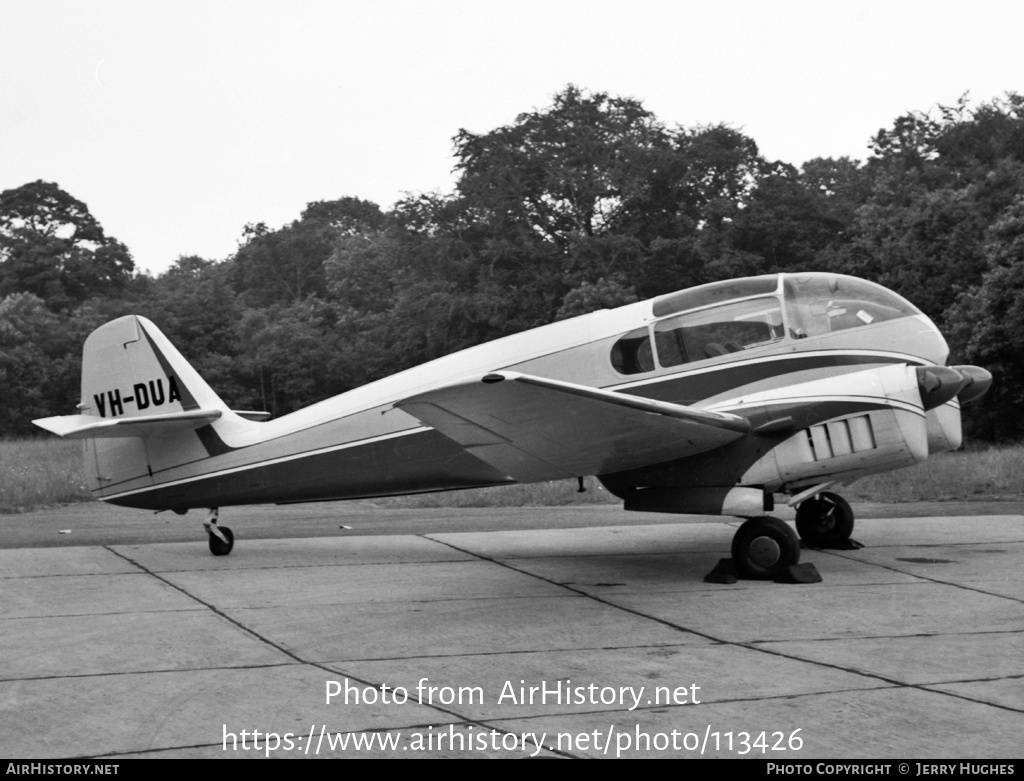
(825, 521)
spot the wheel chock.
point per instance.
(724, 572)
(800, 573)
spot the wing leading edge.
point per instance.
(533, 429)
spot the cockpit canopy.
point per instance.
(727, 317)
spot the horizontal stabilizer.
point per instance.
(90, 426)
(533, 429)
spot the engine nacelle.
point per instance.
(890, 430)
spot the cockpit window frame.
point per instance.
(872, 303)
(716, 293)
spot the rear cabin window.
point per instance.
(633, 353)
(696, 336)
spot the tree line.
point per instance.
(590, 202)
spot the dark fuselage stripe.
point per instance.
(690, 388)
(424, 460)
(683, 388)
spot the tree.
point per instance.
(51, 246)
(590, 297)
(598, 189)
(926, 251)
(287, 265)
(785, 225)
(987, 328)
(938, 185)
(348, 216)
(290, 351)
(40, 363)
(576, 169)
(717, 170)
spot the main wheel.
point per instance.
(217, 546)
(763, 548)
(826, 521)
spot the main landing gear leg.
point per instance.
(825, 521)
(221, 538)
(764, 548)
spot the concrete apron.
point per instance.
(582, 642)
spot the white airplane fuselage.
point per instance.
(823, 368)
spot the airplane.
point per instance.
(711, 400)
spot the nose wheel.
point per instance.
(763, 548)
(825, 521)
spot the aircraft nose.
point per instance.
(939, 384)
(978, 382)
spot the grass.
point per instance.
(556, 493)
(991, 474)
(37, 473)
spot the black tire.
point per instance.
(826, 521)
(763, 548)
(217, 546)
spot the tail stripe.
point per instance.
(188, 401)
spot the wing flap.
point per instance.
(532, 428)
(86, 426)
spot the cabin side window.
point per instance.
(633, 354)
(720, 330)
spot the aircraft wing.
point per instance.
(533, 429)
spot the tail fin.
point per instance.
(135, 383)
(141, 402)
(132, 354)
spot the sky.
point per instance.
(180, 122)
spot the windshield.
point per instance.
(826, 303)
